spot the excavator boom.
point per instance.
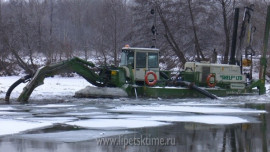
(77, 65)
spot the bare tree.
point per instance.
(227, 8)
(60, 29)
(12, 37)
(196, 41)
(169, 36)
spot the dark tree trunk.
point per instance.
(196, 41)
(227, 33)
(170, 38)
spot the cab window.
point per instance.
(130, 59)
(153, 60)
(123, 59)
(127, 58)
(140, 60)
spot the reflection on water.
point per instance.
(188, 137)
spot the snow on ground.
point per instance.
(52, 87)
(267, 85)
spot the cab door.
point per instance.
(153, 64)
(140, 66)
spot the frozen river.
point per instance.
(55, 121)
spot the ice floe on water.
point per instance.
(9, 126)
(6, 113)
(4, 108)
(204, 104)
(90, 108)
(52, 120)
(116, 123)
(205, 119)
(83, 113)
(188, 109)
(54, 106)
(74, 136)
(114, 116)
(120, 116)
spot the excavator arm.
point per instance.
(77, 65)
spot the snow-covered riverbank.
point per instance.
(52, 88)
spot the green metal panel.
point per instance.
(180, 92)
(191, 76)
(118, 77)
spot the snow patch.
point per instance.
(100, 92)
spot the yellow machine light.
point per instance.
(113, 72)
(127, 46)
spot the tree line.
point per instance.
(38, 32)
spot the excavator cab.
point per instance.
(141, 60)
